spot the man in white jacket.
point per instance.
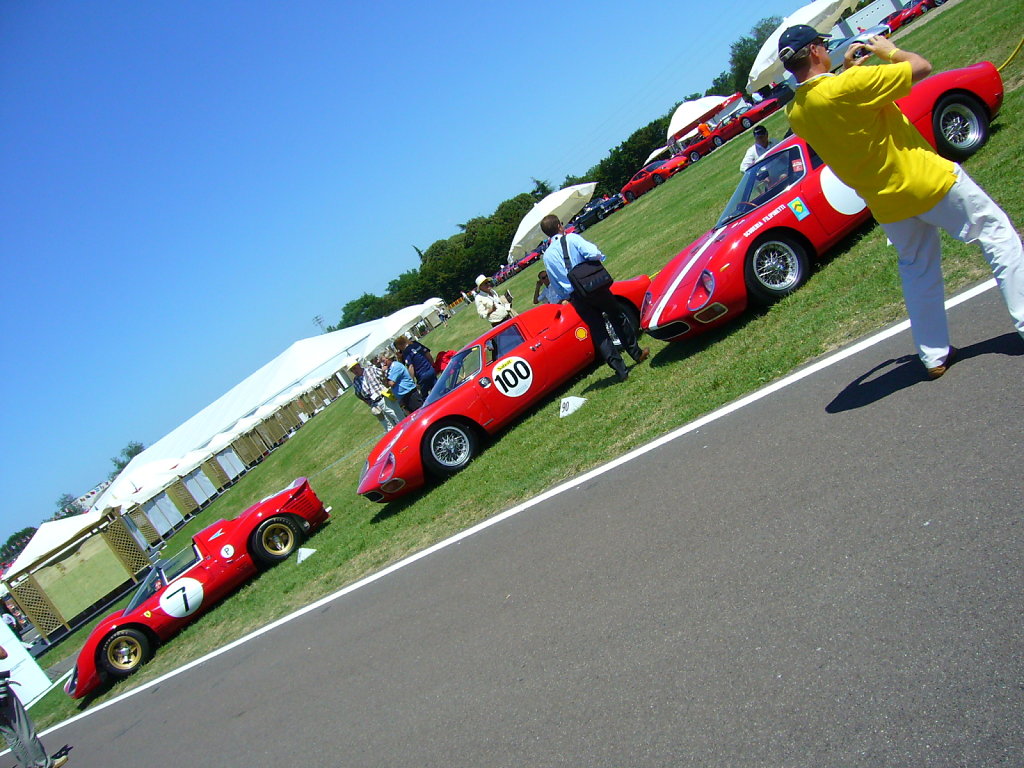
(761, 145)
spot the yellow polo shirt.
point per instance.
(853, 123)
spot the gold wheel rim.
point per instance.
(125, 653)
(278, 538)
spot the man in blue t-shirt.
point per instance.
(419, 361)
(402, 384)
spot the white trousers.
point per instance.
(971, 216)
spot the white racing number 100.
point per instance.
(513, 376)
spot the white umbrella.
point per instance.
(821, 14)
(690, 113)
(565, 203)
(654, 154)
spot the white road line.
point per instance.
(566, 486)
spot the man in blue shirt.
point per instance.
(403, 385)
(594, 308)
(419, 361)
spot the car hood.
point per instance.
(674, 283)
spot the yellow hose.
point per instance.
(1012, 55)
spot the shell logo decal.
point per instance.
(581, 333)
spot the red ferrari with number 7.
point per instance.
(179, 589)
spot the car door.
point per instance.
(515, 373)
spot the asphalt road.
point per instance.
(831, 576)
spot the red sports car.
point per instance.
(179, 589)
(652, 175)
(729, 128)
(790, 207)
(908, 14)
(487, 385)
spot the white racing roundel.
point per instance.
(513, 376)
(182, 598)
(838, 195)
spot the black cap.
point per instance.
(760, 130)
(796, 38)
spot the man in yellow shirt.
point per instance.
(852, 121)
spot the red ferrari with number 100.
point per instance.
(487, 384)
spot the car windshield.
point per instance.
(463, 366)
(762, 182)
(161, 574)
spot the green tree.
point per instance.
(541, 189)
(129, 452)
(67, 505)
(16, 543)
(743, 52)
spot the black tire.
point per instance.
(630, 197)
(580, 226)
(274, 540)
(718, 141)
(124, 651)
(746, 122)
(631, 316)
(961, 126)
(775, 267)
(694, 156)
(658, 181)
(448, 447)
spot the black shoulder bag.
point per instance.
(586, 278)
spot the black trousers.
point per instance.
(591, 310)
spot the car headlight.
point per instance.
(388, 470)
(645, 304)
(702, 291)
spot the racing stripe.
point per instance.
(653, 325)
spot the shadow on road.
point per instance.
(902, 372)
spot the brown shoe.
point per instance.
(644, 354)
(938, 370)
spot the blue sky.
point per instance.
(185, 185)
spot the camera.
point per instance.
(861, 53)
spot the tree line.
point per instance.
(481, 246)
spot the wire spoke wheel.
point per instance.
(960, 126)
(450, 446)
(776, 266)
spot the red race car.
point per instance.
(653, 175)
(179, 589)
(908, 14)
(729, 128)
(486, 386)
(790, 207)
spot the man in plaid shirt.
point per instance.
(368, 384)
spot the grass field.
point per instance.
(852, 292)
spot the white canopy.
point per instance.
(152, 470)
(52, 536)
(655, 153)
(565, 203)
(820, 14)
(691, 113)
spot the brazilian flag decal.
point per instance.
(796, 205)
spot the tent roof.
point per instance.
(691, 113)
(299, 368)
(53, 535)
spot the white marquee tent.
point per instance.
(209, 433)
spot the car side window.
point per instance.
(501, 344)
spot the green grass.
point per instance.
(853, 292)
